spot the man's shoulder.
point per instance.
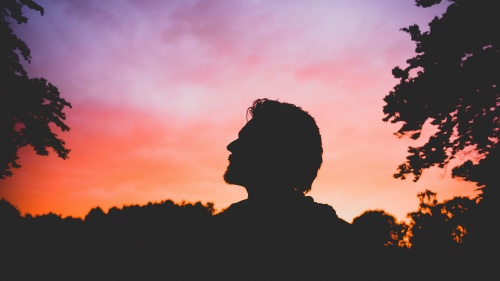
(234, 211)
(325, 212)
(236, 207)
(305, 205)
(321, 208)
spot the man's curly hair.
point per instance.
(293, 134)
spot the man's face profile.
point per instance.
(254, 156)
(279, 148)
(244, 157)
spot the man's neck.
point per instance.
(270, 193)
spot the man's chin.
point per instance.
(228, 178)
(231, 178)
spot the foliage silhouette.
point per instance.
(156, 241)
(380, 229)
(440, 225)
(28, 106)
(8, 213)
(453, 83)
(453, 239)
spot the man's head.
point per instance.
(280, 146)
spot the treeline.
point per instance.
(451, 240)
(151, 242)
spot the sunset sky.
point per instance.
(159, 88)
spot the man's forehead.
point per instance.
(258, 128)
(248, 128)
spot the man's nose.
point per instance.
(232, 145)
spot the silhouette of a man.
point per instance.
(278, 232)
(278, 152)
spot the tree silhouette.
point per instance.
(8, 212)
(453, 83)
(440, 235)
(28, 106)
(156, 241)
(379, 228)
(440, 225)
